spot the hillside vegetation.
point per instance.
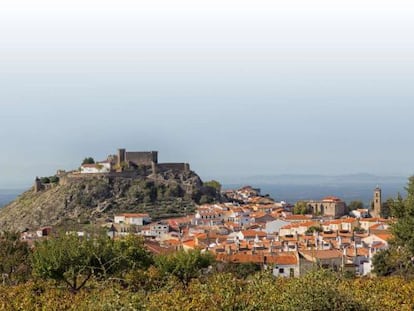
(92, 200)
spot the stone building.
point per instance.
(329, 206)
(145, 158)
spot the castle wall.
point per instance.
(181, 167)
(142, 158)
(78, 176)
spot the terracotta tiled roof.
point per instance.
(322, 254)
(298, 217)
(190, 243)
(172, 242)
(89, 165)
(253, 233)
(130, 215)
(278, 259)
(155, 248)
(378, 245)
(360, 251)
(331, 199)
(384, 236)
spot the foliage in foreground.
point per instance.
(318, 290)
(399, 258)
(75, 260)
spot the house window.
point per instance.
(281, 270)
(291, 272)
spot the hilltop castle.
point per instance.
(133, 159)
(127, 164)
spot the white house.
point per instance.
(360, 213)
(132, 219)
(285, 264)
(159, 229)
(275, 226)
(96, 168)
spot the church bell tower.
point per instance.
(376, 208)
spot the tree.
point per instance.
(132, 254)
(399, 258)
(75, 260)
(184, 265)
(318, 290)
(45, 180)
(404, 209)
(213, 184)
(66, 258)
(386, 208)
(300, 208)
(14, 257)
(54, 179)
(354, 205)
(241, 270)
(313, 229)
(393, 261)
(88, 160)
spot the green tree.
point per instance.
(45, 180)
(300, 208)
(393, 261)
(75, 260)
(54, 179)
(319, 290)
(403, 228)
(184, 265)
(386, 208)
(14, 258)
(88, 160)
(241, 270)
(399, 258)
(131, 254)
(213, 184)
(354, 205)
(313, 229)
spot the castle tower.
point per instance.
(154, 155)
(121, 156)
(376, 208)
(37, 185)
(154, 167)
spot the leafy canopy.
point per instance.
(75, 260)
(400, 256)
(88, 160)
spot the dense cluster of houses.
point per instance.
(256, 229)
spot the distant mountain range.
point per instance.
(292, 188)
(325, 179)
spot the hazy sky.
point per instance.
(235, 88)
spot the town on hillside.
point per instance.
(254, 228)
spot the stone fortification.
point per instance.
(126, 164)
(137, 158)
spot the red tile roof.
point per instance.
(278, 259)
(253, 233)
(322, 254)
(131, 215)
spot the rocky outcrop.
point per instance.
(94, 200)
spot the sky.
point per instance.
(235, 88)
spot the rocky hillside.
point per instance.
(95, 200)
